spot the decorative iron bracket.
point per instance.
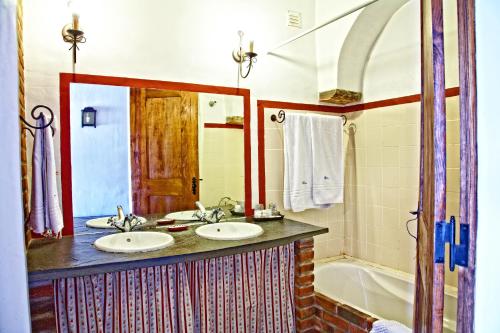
(445, 233)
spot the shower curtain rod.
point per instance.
(307, 32)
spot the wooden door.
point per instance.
(164, 146)
(429, 276)
(468, 159)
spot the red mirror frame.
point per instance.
(65, 79)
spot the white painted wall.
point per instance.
(188, 41)
(14, 309)
(488, 69)
(100, 157)
(331, 38)
(393, 69)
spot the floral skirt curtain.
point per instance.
(249, 292)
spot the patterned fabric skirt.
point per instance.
(249, 292)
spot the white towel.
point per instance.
(45, 215)
(327, 159)
(297, 194)
(389, 326)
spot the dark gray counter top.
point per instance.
(76, 256)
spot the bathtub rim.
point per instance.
(410, 278)
(448, 289)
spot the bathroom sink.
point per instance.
(229, 231)
(135, 241)
(102, 222)
(185, 215)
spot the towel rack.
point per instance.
(28, 126)
(281, 117)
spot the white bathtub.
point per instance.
(376, 291)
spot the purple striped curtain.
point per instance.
(249, 292)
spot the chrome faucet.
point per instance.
(214, 217)
(122, 222)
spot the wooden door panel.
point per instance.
(163, 133)
(164, 203)
(429, 276)
(164, 142)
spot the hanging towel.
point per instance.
(297, 194)
(327, 159)
(45, 215)
(389, 326)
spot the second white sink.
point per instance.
(184, 215)
(102, 222)
(135, 241)
(229, 231)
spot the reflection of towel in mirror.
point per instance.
(45, 215)
(389, 326)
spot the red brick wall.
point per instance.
(316, 312)
(304, 289)
(42, 307)
(332, 316)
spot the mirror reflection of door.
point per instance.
(164, 146)
(148, 146)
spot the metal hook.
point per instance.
(280, 118)
(36, 117)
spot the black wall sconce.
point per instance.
(89, 117)
(241, 57)
(72, 32)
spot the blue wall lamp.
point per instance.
(89, 117)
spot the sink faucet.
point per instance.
(214, 217)
(124, 223)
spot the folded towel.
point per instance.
(389, 326)
(45, 215)
(327, 159)
(297, 194)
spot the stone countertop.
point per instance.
(76, 256)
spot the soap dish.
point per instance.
(268, 218)
(237, 213)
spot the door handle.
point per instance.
(194, 185)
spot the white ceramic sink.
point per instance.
(229, 231)
(185, 215)
(135, 241)
(102, 222)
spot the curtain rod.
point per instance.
(307, 32)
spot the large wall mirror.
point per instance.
(153, 147)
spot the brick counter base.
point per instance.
(304, 288)
(332, 316)
(42, 307)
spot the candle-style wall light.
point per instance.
(72, 32)
(241, 56)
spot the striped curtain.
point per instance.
(249, 292)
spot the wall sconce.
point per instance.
(241, 57)
(71, 32)
(89, 117)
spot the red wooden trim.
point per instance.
(248, 152)
(216, 125)
(263, 104)
(65, 79)
(261, 151)
(65, 137)
(154, 84)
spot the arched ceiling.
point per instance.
(360, 40)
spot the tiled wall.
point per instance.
(325, 245)
(222, 165)
(381, 185)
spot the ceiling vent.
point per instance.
(294, 19)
